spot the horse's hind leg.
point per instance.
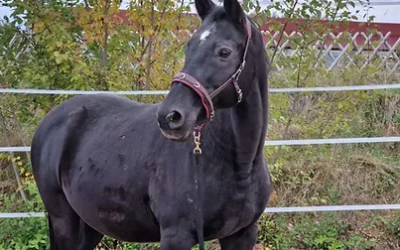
(64, 237)
(67, 230)
(244, 239)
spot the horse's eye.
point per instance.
(224, 53)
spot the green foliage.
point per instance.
(395, 227)
(326, 231)
(92, 48)
(23, 233)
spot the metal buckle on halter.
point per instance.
(239, 71)
(239, 95)
(212, 114)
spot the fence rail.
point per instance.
(267, 143)
(276, 142)
(305, 209)
(164, 92)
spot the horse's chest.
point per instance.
(229, 220)
(229, 209)
(229, 201)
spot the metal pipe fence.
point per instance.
(336, 208)
(164, 92)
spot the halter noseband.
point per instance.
(205, 97)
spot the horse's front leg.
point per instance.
(245, 239)
(176, 239)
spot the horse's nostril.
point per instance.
(173, 117)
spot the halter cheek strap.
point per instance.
(205, 97)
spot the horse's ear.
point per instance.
(234, 11)
(204, 7)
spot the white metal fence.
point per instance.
(378, 48)
(267, 143)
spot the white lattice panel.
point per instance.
(358, 49)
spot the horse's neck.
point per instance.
(241, 130)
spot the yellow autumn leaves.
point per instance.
(24, 173)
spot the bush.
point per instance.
(23, 233)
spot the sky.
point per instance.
(385, 11)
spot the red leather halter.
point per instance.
(206, 98)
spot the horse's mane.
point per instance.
(266, 57)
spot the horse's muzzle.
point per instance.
(172, 125)
(173, 135)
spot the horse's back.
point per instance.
(62, 125)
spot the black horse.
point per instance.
(106, 165)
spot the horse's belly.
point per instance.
(124, 224)
(113, 208)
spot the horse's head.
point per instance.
(211, 76)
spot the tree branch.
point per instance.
(283, 30)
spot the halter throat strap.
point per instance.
(205, 97)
